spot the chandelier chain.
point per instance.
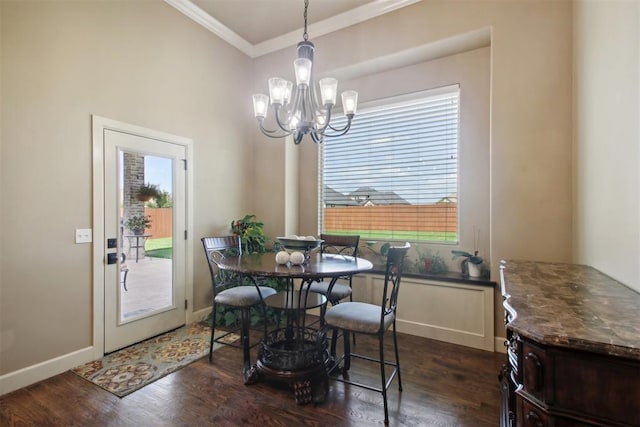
(305, 36)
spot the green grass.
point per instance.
(159, 248)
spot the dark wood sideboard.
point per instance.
(573, 347)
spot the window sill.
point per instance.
(450, 276)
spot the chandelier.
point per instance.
(297, 111)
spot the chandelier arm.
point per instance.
(317, 139)
(272, 133)
(298, 138)
(327, 120)
(280, 124)
(340, 131)
(345, 128)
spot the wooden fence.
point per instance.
(438, 217)
(161, 220)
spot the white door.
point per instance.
(144, 279)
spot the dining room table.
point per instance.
(295, 352)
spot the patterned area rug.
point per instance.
(131, 368)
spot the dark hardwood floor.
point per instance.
(443, 385)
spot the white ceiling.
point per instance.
(258, 27)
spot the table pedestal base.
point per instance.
(298, 358)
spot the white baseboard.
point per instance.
(197, 316)
(499, 345)
(43, 370)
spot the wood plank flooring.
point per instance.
(443, 385)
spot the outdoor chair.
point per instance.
(229, 291)
(124, 270)
(372, 319)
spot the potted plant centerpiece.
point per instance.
(138, 223)
(473, 262)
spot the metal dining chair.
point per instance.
(343, 245)
(228, 290)
(342, 288)
(372, 319)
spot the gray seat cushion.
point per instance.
(243, 296)
(358, 317)
(338, 292)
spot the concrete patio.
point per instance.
(148, 285)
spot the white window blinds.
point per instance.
(394, 175)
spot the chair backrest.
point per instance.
(216, 248)
(393, 273)
(345, 245)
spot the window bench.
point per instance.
(446, 307)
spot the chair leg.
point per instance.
(351, 299)
(384, 380)
(213, 328)
(347, 349)
(334, 338)
(245, 338)
(395, 346)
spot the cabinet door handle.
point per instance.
(533, 419)
(535, 377)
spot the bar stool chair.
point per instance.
(341, 245)
(228, 290)
(372, 319)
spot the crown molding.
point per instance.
(320, 28)
(329, 25)
(210, 23)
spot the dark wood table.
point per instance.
(295, 353)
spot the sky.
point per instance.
(157, 170)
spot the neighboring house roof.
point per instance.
(335, 198)
(453, 198)
(368, 196)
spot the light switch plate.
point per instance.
(84, 235)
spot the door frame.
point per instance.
(99, 125)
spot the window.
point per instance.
(394, 175)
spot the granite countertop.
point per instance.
(569, 305)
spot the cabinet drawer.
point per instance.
(530, 415)
(599, 387)
(534, 371)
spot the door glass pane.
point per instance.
(146, 240)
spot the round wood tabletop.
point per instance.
(318, 266)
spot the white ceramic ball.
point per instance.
(282, 257)
(296, 258)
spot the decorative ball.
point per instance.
(296, 258)
(282, 257)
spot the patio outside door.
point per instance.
(145, 280)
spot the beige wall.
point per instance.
(530, 151)
(139, 62)
(607, 138)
